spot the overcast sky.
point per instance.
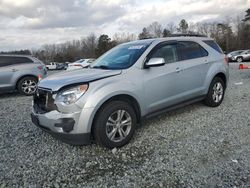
(32, 23)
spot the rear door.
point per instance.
(194, 65)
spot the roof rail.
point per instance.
(6, 54)
(187, 35)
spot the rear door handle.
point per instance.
(178, 70)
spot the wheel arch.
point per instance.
(222, 76)
(120, 97)
(239, 57)
(23, 76)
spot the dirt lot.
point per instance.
(195, 146)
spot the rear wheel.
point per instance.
(215, 93)
(27, 85)
(115, 124)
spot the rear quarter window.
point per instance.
(214, 45)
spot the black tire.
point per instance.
(210, 100)
(32, 84)
(100, 129)
(239, 59)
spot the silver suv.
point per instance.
(20, 72)
(243, 56)
(133, 81)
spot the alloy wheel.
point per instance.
(118, 125)
(217, 92)
(29, 86)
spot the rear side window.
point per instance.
(190, 50)
(214, 45)
(8, 60)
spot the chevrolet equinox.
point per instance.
(130, 82)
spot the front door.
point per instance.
(161, 84)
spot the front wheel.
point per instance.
(115, 124)
(215, 93)
(239, 59)
(27, 85)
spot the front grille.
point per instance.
(43, 101)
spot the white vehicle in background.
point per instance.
(80, 64)
(51, 66)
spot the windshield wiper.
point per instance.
(101, 67)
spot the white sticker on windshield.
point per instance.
(138, 47)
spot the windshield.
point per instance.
(121, 57)
(79, 61)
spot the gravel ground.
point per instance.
(195, 146)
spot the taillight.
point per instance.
(40, 67)
(40, 77)
(78, 65)
(226, 60)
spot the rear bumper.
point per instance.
(70, 138)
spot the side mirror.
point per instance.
(155, 62)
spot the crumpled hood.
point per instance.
(59, 80)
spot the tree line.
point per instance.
(232, 34)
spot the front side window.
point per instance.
(190, 50)
(168, 52)
(121, 57)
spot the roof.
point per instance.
(15, 55)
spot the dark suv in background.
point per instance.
(20, 72)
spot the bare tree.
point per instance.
(202, 28)
(123, 37)
(155, 30)
(89, 45)
(171, 27)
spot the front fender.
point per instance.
(101, 92)
(109, 90)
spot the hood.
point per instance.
(59, 80)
